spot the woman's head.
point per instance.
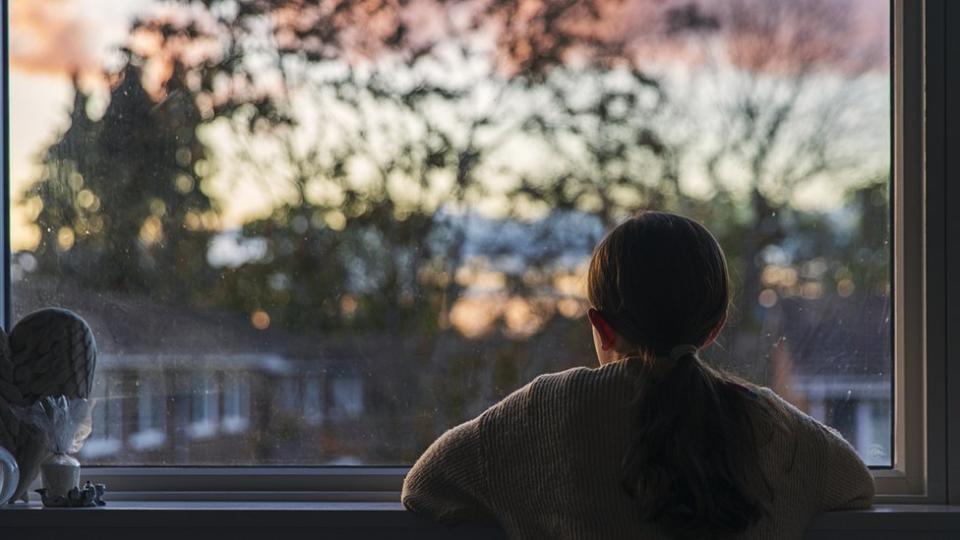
(659, 288)
(656, 281)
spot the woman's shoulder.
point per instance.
(831, 464)
(789, 411)
(585, 381)
(562, 390)
(813, 436)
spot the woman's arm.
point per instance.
(447, 483)
(452, 482)
(847, 483)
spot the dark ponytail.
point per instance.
(661, 281)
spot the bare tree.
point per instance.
(795, 94)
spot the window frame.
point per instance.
(918, 273)
(943, 119)
(920, 229)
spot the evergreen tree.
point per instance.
(123, 208)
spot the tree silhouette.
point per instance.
(787, 122)
(123, 207)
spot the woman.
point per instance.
(653, 443)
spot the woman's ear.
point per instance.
(606, 333)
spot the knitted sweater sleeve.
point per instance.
(846, 482)
(451, 482)
(837, 477)
(447, 483)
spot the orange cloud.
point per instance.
(47, 37)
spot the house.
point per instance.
(833, 358)
(193, 386)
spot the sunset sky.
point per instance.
(53, 39)
(50, 40)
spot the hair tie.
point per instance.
(680, 351)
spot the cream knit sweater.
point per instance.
(545, 463)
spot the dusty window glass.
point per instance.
(151, 411)
(107, 418)
(313, 400)
(236, 403)
(324, 232)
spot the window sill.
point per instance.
(164, 519)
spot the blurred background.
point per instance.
(325, 231)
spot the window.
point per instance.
(204, 405)
(347, 397)
(290, 399)
(354, 240)
(314, 404)
(151, 400)
(106, 436)
(236, 403)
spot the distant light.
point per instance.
(158, 207)
(336, 220)
(788, 277)
(811, 290)
(192, 221)
(76, 181)
(770, 275)
(571, 308)
(474, 317)
(260, 319)
(767, 298)
(521, 317)
(210, 220)
(95, 224)
(348, 306)
(231, 248)
(65, 238)
(183, 156)
(151, 231)
(87, 200)
(184, 184)
(845, 287)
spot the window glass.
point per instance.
(236, 402)
(151, 409)
(204, 405)
(314, 405)
(106, 434)
(348, 396)
(325, 232)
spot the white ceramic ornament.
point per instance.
(9, 476)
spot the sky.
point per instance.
(50, 40)
(54, 40)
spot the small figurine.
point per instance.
(90, 496)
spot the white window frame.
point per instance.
(921, 338)
(919, 466)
